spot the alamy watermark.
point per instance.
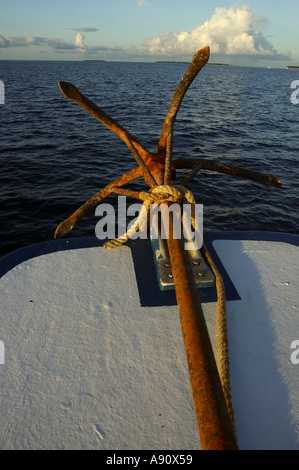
(138, 228)
(2, 361)
(294, 98)
(294, 356)
(2, 93)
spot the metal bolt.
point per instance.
(167, 265)
(196, 263)
(170, 275)
(201, 273)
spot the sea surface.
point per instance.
(54, 156)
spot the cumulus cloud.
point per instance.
(19, 41)
(78, 41)
(230, 31)
(3, 42)
(60, 45)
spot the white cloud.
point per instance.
(19, 41)
(230, 31)
(78, 41)
(59, 44)
(3, 42)
(140, 3)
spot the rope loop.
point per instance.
(157, 195)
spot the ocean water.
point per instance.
(54, 156)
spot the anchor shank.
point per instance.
(214, 425)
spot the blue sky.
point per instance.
(254, 33)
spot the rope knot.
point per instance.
(157, 195)
(165, 193)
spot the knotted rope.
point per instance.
(157, 195)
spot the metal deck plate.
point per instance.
(202, 274)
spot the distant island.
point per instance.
(292, 67)
(214, 63)
(94, 60)
(173, 62)
(170, 62)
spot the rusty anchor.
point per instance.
(213, 413)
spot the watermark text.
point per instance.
(294, 99)
(2, 361)
(138, 228)
(294, 356)
(2, 93)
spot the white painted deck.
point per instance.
(86, 367)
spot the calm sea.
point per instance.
(54, 155)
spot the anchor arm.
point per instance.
(67, 225)
(262, 178)
(140, 153)
(165, 142)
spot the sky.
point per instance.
(255, 33)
